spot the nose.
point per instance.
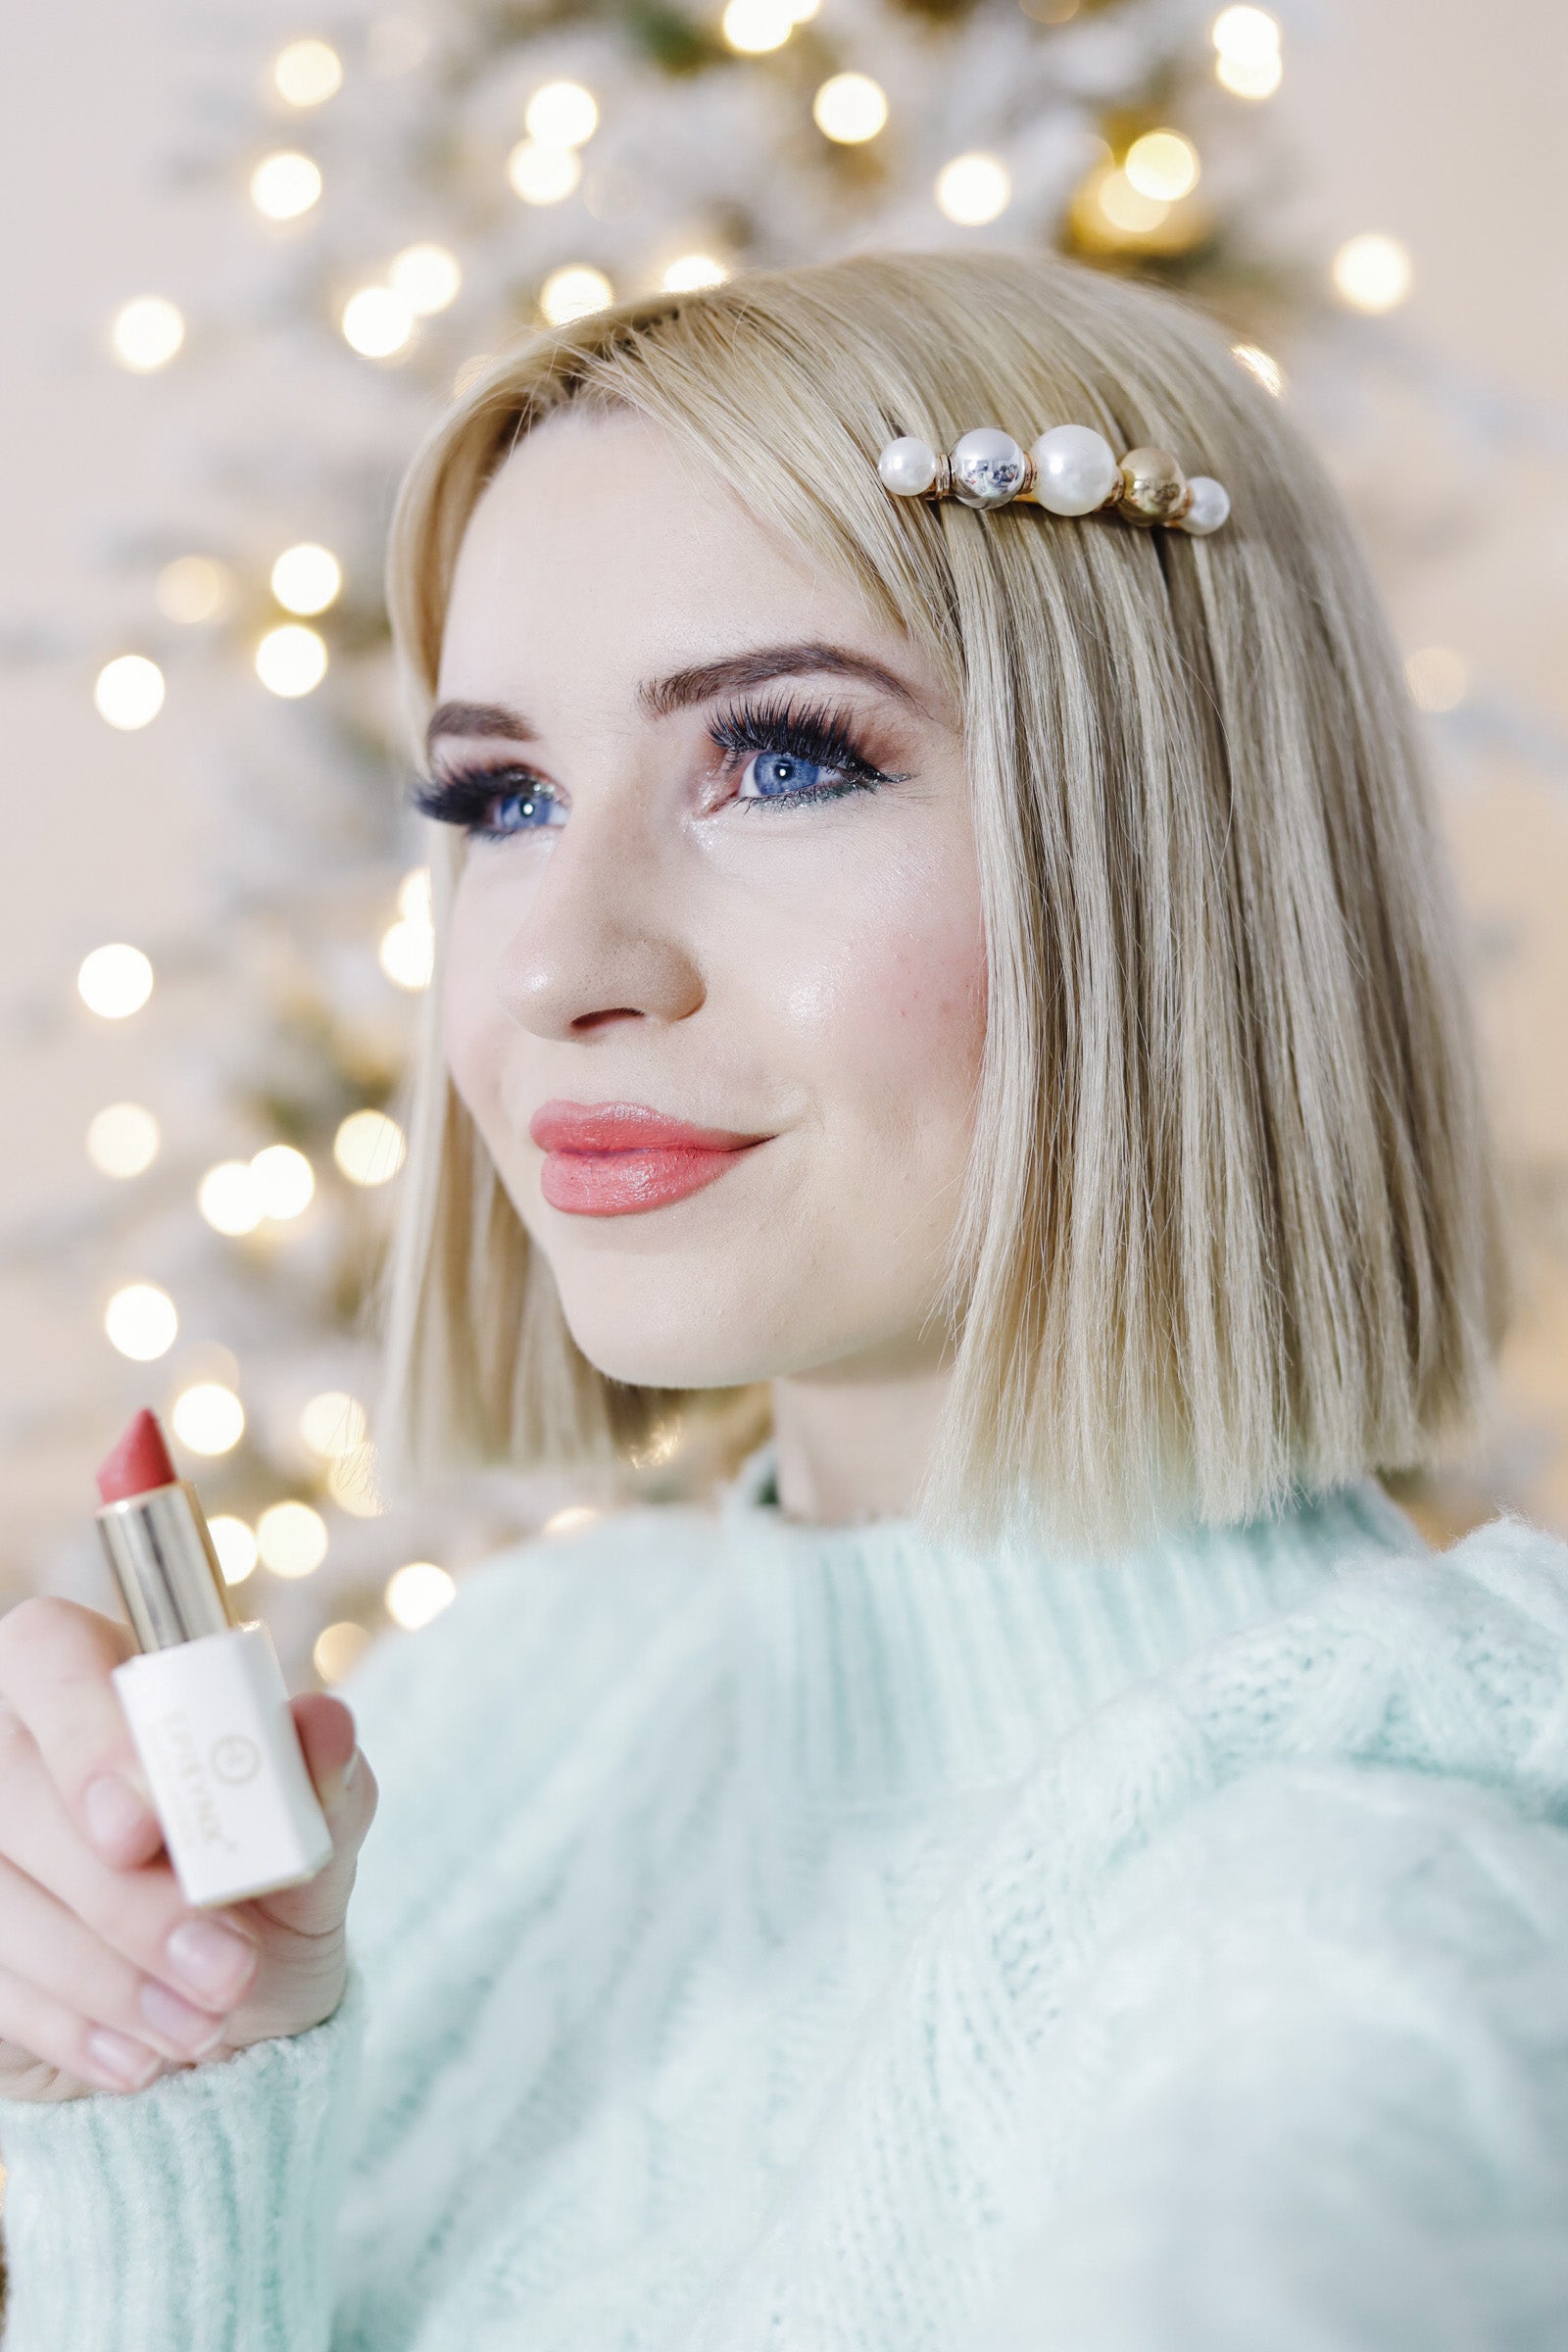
(606, 935)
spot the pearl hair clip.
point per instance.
(1072, 469)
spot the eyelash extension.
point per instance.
(462, 798)
(814, 733)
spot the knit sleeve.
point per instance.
(1314, 2093)
(195, 2216)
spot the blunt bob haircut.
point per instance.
(1232, 1224)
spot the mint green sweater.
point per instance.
(785, 1939)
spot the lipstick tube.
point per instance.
(208, 1708)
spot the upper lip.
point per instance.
(560, 1126)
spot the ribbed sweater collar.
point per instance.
(882, 1667)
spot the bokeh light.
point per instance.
(370, 1147)
(562, 113)
(123, 1140)
(229, 1198)
(692, 269)
(306, 73)
(542, 175)
(333, 1423)
(377, 321)
(1372, 271)
(307, 578)
(1126, 208)
(291, 661)
(572, 291)
(146, 333)
(207, 1417)
(427, 276)
(849, 108)
(755, 27)
(407, 954)
(1163, 165)
(339, 1648)
(140, 1321)
(417, 1592)
(285, 1179)
(291, 1538)
(973, 189)
(351, 1481)
(193, 589)
(285, 185)
(234, 1543)
(1247, 52)
(129, 691)
(114, 981)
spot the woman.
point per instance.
(1029, 1848)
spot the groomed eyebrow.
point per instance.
(658, 698)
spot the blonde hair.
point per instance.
(1231, 1224)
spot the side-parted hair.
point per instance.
(1231, 1223)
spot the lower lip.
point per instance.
(616, 1184)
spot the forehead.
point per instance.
(603, 542)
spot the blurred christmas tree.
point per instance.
(407, 196)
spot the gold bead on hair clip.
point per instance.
(1072, 469)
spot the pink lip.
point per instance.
(609, 1160)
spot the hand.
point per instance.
(108, 1977)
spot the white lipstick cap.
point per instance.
(212, 1725)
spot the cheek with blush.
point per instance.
(891, 1026)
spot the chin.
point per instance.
(674, 1343)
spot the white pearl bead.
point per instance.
(1075, 469)
(987, 465)
(907, 466)
(1209, 507)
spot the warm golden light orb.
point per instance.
(140, 1321)
(129, 692)
(308, 72)
(973, 189)
(146, 333)
(114, 981)
(123, 1140)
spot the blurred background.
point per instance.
(254, 248)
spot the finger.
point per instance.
(51, 1949)
(349, 1808)
(56, 1658)
(328, 1736)
(47, 2030)
(140, 1913)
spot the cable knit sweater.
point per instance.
(777, 1938)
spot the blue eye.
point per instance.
(467, 798)
(778, 774)
(796, 755)
(535, 810)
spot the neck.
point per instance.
(852, 1442)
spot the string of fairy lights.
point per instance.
(1143, 196)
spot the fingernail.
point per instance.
(129, 2062)
(210, 1958)
(115, 1812)
(193, 2031)
(351, 1770)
